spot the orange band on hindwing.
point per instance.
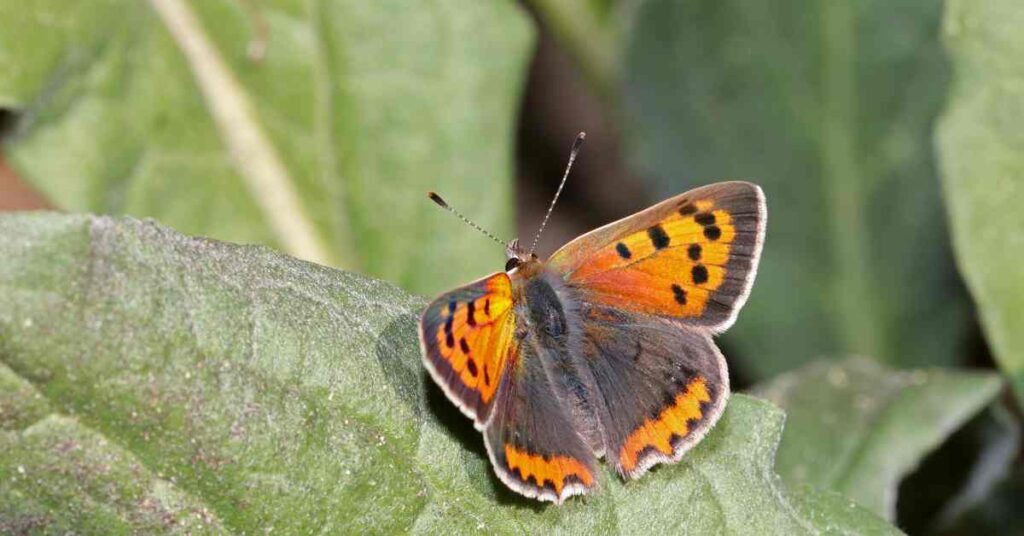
(558, 470)
(671, 425)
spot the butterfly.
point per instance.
(605, 349)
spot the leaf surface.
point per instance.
(982, 150)
(857, 428)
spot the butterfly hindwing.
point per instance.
(531, 438)
(466, 338)
(663, 386)
(692, 257)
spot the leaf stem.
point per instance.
(254, 156)
(857, 322)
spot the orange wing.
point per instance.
(690, 257)
(466, 338)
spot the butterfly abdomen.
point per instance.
(554, 330)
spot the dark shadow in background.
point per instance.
(930, 499)
(8, 122)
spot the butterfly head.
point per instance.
(517, 256)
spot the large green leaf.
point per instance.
(324, 148)
(156, 381)
(858, 428)
(982, 149)
(828, 106)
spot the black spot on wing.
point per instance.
(687, 209)
(699, 274)
(471, 365)
(463, 345)
(623, 251)
(471, 313)
(680, 294)
(705, 218)
(712, 232)
(449, 337)
(659, 239)
(694, 252)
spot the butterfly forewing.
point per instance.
(466, 338)
(691, 257)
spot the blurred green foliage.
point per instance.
(857, 428)
(829, 107)
(115, 119)
(982, 147)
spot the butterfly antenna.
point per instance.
(443, 204)
(572, 158)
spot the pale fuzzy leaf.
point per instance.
(982, 149)
(857, 428)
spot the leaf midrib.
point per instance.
(857, 323)
(248, 146)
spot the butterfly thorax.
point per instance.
(541, 300)
(539, 295)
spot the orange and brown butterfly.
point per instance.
(605, 349)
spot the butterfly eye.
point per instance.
(514, 262)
